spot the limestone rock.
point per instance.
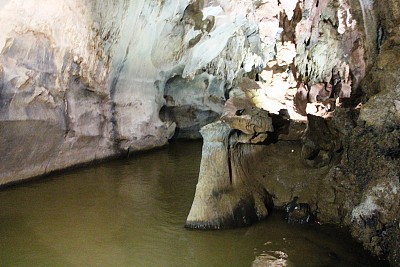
(193, 104)
(225, 196)
(246, 118)
(272, 258)
(99, 71)
(93, 77)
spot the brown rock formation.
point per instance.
(226, 194)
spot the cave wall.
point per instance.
(373, 146)
(86, 80)
(362, 187)
(345, 52)
(109, 78)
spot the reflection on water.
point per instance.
(131, 213)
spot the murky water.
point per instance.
(131, 213)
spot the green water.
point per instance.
(131, 212)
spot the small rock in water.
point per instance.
(299, 213)
(271, 259)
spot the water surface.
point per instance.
(131, 212)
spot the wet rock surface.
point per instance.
(298, 212)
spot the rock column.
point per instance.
(226, 195)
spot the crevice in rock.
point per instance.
(113, 89)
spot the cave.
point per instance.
(297, 103)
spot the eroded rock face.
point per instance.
(226, 194)
(303, 58)
(350, 147)
(97, 72)
(368, 174)
(192, 104)
(111, 70)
